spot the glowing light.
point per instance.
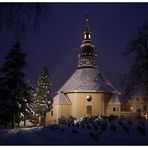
(89, 36)
(146, 117)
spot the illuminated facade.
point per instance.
(139, 104)
(87, 92)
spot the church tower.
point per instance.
(87, 57)
(87, 91)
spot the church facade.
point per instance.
(87, 91)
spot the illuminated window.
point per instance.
(89, 36)
(88, 109)
(85, 36)
(114, 109)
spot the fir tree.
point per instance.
(137, 77)
(13, 87)
(25, 109)
(42, 102)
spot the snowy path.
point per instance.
(73, 136)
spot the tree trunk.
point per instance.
(13, 121)
(43, 119)
(24, 122)
(18, 124)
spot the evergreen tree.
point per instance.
(13, 87)
(42, 102)
(137, 77)
(25, 109)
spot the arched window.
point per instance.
(52, 113)
(114, 109)
(88, 109)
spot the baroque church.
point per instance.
(87, 91)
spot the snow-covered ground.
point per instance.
(77, 135)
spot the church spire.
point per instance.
(87, 57)
(87, 33)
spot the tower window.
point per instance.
(114, 109)
(137, 99)
(89, 36)
(88, 109)
(85, 36)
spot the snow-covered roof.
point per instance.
(115, 99)
(61, 98)
(87, 80)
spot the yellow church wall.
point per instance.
(80, 103)
(106, 97)
(52, 118)
(110, 110)
(57, 112)
(65, 110)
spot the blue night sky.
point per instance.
(57, 43)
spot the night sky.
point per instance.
(57, 43)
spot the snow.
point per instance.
(87, 80)
(73, 135)
(115, 99)
(61, 98)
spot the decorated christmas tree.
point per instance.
(42, 102)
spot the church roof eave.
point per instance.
(87, 80)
